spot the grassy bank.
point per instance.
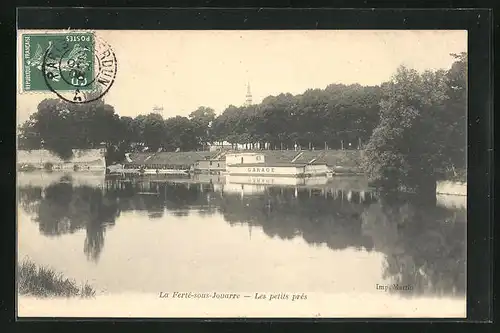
(39, 281)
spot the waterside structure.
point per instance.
(166, 163)
(286, 163)
(256, 164)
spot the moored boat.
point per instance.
(279, 169)
(164, 171)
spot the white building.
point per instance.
(244, 158)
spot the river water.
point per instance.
(243, 235)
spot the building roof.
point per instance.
(279, 156)
(243, 153)
(270, 165)
(169, 158)
(212, 160)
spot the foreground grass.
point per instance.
(44, 282)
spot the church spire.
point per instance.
(248, 100)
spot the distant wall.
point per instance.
(82, 160)
(453, 188)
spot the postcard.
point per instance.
(241, 173)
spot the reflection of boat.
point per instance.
(127, 171)
(276, 181)
(256, 185)
(176, 179)
(244, 189)
(164, 172)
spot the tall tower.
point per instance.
(248, 100)
(159, 110)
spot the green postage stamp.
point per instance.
(78, 67)
(58, 61)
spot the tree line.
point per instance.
(415, 122)
(316, 118)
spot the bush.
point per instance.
(45, 282)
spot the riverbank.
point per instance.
(38, 281)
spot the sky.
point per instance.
(182, 70)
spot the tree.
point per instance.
(181, 134)
(202, 120)
(403, 150)
(54, 124)
(28, 137)
(225, 124)
(60, 127)
(339, 112)
(152, 130)
(454, 117)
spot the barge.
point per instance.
(254, 164)
(147, 171)
(278, 170)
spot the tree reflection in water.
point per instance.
(424, 244)
(62, 208)
(29, 198)
(314, 215)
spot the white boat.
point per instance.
(164, 172)
(255, 164)
(278, 169)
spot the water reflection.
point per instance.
(423, 243)
(62, 208)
